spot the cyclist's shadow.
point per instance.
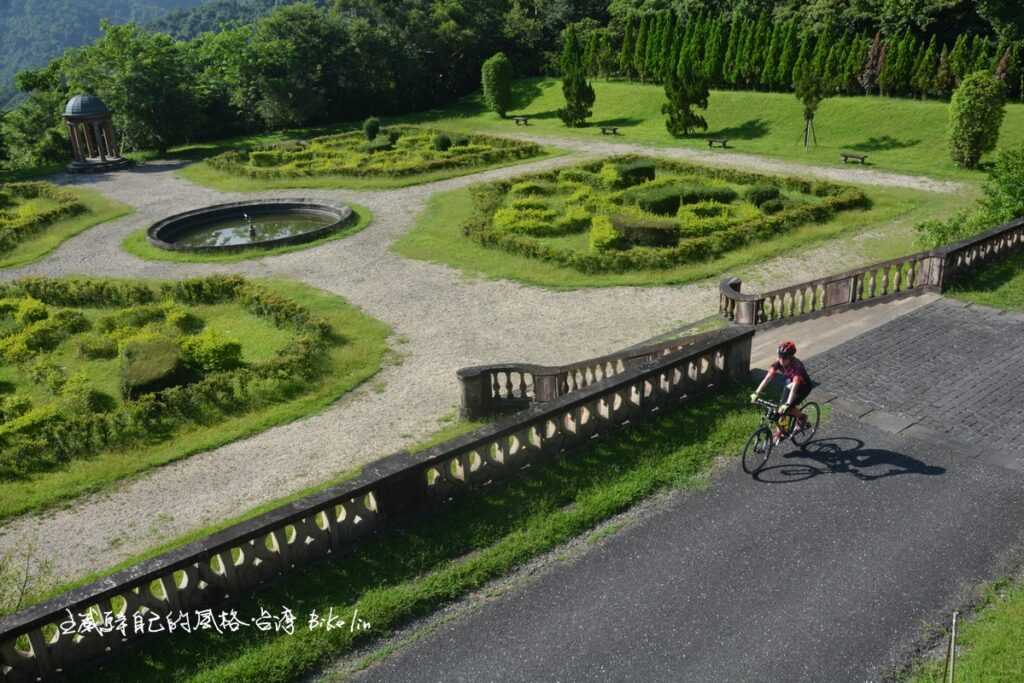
(842, 455)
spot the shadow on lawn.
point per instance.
(622, 121)
(843, 455)
(883, 143)
(748, 130)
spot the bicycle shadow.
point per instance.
(843, 455)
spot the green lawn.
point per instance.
(477, 538)
(897, 134)
(99, 210)
(989, 644)
(353, 361)
(138, 245)
(437, 236)
(1000, 285)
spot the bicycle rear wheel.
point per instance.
(757, 450)
(802, 437)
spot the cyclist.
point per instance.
(798, 384)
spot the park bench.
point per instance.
(521, 120)
(721, 142)
(862, 158)
(609, 130)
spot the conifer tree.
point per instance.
(732, 50)
(712, 65)
(772, 54)
(982, 55)
(686, 88)
(944, 80)
(887, 74)
(819, 60)
(640, 51)
(872, 68)
(854, 66)
(579, 95)
(960, 59)
(628, 47)
(667, 45)
(745, 54)
(924, 75)
(803, 59)
(652, 65)
(834, 72)
(590, 53)
(783, 76)
(810, 91)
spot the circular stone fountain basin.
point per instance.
(244, 225)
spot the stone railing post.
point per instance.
(476, 393)
(737, 359)
(546, 386)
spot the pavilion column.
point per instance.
(111, 139)
(100, 143)
(76, 151)
(89, 142)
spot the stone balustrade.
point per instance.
(493, 389)
(931, 271)
(234, 562)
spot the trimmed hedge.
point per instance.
(609, 253)
(17, 226)
(162, 395)
(403, 151)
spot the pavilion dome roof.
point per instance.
(85, 105)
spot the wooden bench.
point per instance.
(609, 130)
(521, 120)
(862, 158)
(721, 142)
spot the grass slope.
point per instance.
(353, 362)
(897, 134)
(137, 244)
(411, 572)
(100, 210)
(1000, 285)
(437, 236)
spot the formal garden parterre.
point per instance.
(634, 213)
(395, 154)
(95, 369)
(37, 216)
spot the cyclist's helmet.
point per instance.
(787, 349)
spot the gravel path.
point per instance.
(441, 321)
(750, 162)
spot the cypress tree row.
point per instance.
(742, 51)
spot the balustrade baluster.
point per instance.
(896, 279)
(884, 285)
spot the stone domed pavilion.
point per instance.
(91, 130)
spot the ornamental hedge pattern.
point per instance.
(639, 221)
(27, 209)
(397, 151)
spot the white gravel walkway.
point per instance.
(441, 320)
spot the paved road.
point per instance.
(819, 570)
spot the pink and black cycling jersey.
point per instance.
(793, 372)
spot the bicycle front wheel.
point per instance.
(759, 447)
(802, 437)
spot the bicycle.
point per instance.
(761, 442)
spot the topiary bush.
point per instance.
(442, 142)
(31, 310)
(97, 346)
(773, 206)
(149, 363)
(528, 188)
(660, 199)
(975, 115)
(209, 351)
(636, 172)
(496, 78)
(691, 194)
(759, 194)
(603, 235)
(645, 232)
(371, 126)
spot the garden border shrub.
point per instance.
(15, 229)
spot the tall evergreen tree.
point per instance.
(746, 54)
(782, 79)
(668, 43)
(810, 90)
(872, 69)
(960, 59)
(819, 60)
(628, 47)
(945, 80)
(803, 59)
(772, 54)
(640, 50)
(652, 58)
(888, 73)
(579, 95)
(854, 66)
(686, 88)
(924, 76)
(983, 55)
(732, 50)
(714, 51)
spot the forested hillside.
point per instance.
(215, 15)
(32, 32)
